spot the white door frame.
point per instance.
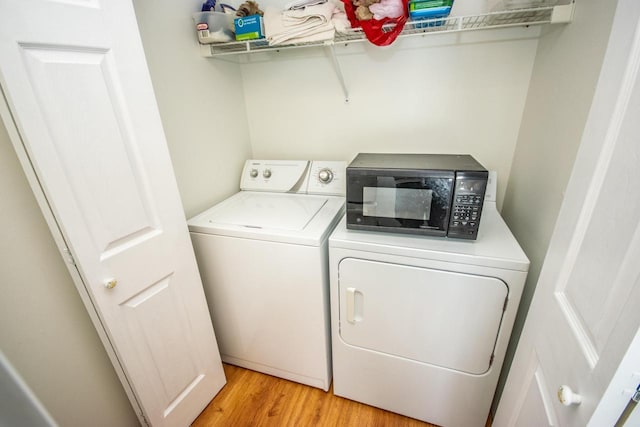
(620, 389)
(34, 183)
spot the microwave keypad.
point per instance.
(465, 215)
(467, 204)
(468, 198)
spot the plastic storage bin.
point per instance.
(220, 27)
(429, 9)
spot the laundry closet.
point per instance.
(503, 95)
(515, 98)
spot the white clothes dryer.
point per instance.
(420, 325)
(263, 259)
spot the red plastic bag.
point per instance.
(379, 32)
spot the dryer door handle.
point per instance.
(354, 305)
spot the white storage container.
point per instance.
(220, 27)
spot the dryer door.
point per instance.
(438, 317)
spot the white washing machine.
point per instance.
(420, 325)
(263, 259)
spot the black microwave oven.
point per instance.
(426, 194)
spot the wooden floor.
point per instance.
(254, 399)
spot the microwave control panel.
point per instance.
(466, 207)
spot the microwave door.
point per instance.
(413, 201)
(404, 204)
(399, 198)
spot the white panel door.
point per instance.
(444, 318)
(75, 79)
(585, 310)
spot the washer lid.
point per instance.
(277, 217)
(271, 210)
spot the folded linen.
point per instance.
(301, 4)
(318, 14)
(277, 32)
(325, 32)
(315, 37)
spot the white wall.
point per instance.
(444, 93)
(201, 104)
(451, 93)
(563, 82)
(45, 331)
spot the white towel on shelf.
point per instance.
(313, 37)
(301, 4)
(325, 32)
(318, 15)
(304, 31)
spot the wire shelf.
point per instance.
(420, 27)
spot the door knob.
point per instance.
(110, 284)
(568, 397)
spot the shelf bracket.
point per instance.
(330, 45)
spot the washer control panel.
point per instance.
(295, 176)
(278, 176)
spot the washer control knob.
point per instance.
(325, 176)
(253, 173)
(267, 173)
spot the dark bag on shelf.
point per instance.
(379, 32)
